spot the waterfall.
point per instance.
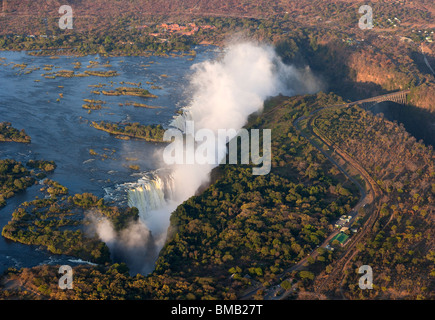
(139, 243)
(154, 193)
(150, 193)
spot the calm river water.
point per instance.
(61, 131)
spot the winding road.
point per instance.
(368, 198)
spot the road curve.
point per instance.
(360, 203)
(373, 190)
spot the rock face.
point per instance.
(379, 69)
(424, 97)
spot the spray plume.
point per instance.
(224, 93)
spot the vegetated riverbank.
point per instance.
(14, 178)
(10, 134)
(152, 133)
(139, 105)
(126, 91)
(71, 74)
(60, 223)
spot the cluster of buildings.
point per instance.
(344, 220)
(395, 22)
(343, 225)
(428, 35)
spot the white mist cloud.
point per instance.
(105, 231)
(133, 245)
(228, 90)
(224, 93)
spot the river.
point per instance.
(61, 131)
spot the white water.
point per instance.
(150, 193)
(146, 197)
